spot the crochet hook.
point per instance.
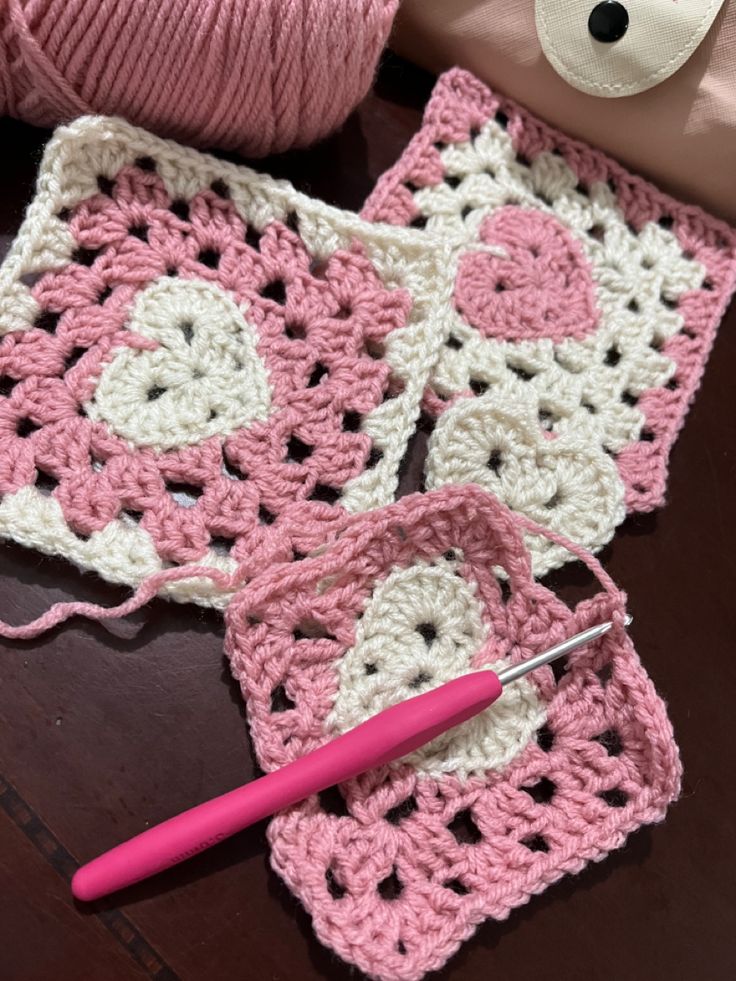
(389, 735)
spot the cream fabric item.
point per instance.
(660, 38)
(680, 133)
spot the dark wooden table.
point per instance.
(106, 729)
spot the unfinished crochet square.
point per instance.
(585, 303)
(400, 865)
(199, 364)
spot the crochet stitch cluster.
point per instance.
(397, 867)
(585, 306)
(200, 367)
(199, 364)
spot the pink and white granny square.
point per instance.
(199, 364)
(398, 866)
(584, 305)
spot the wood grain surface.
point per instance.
(107, 729)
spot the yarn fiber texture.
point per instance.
(199, 365)
(398, 866)
(253, 76)
(585, 304)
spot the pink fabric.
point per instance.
(245, 75)
(260, 493)
(397, 868)
(681, 133)
(460, 105)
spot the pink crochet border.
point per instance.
(317, 849)
(459, 105)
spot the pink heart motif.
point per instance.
(541, 287)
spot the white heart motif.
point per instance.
(422, 627)
(567, 483)
(205, 378)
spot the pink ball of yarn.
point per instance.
(255, 76)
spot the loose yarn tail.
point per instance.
(229, 582)
(149, 588)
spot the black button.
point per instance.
(608, 21)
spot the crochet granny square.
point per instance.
(199, 364)
(399, 866)
(585, 303)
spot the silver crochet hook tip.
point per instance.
(559, 650)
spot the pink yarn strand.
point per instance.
(254, 76)
(39, 93)
(578, 551)
(148, 589)
(496, 516)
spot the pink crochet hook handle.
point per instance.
(387, 736)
